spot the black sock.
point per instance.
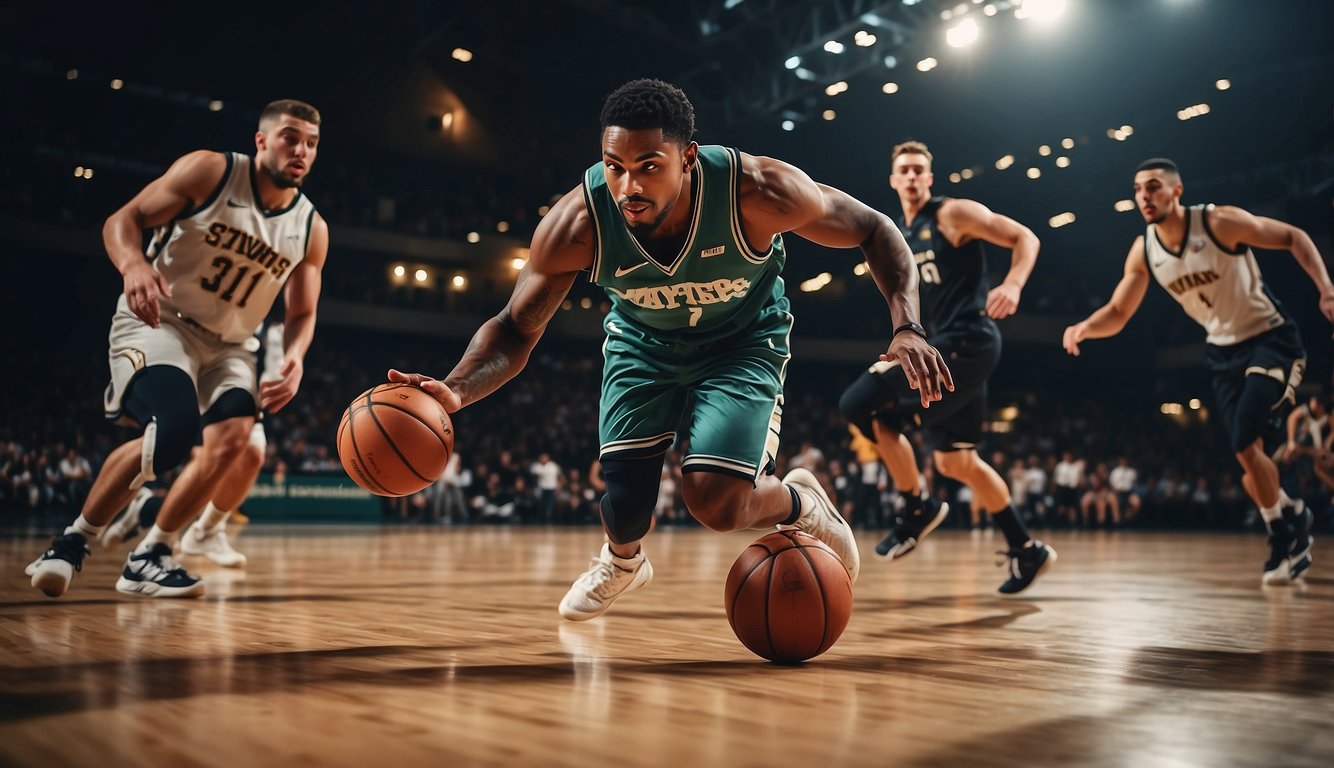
(912, 504)
(1011, 526)
(796, 507)
(148, 512)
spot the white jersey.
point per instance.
(1220, 289)
(227, 260)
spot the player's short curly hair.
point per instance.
(649, 103)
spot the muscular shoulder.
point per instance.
(197, 173)
(770, 185)
(564, 238)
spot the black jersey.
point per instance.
(953, 284)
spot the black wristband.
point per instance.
(914, 327)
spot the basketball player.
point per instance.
(686, 241)
(240, 232)
(1202, 256)
(207, 536)
(947, 235)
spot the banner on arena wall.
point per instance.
(310, 498)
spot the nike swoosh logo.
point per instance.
(1160, 263)
(233, 204)
(623, 271)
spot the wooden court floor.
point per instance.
(436, 646)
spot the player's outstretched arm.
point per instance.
(977, 222)
(562, 245)
(301, 296)
(189, 181)
(1109, 319)
(1236, 226)
(777, 197)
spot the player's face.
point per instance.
(1156, 194)
(286, 148)
(645, 173)
(911, 177)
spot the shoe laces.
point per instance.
(159, 563)
(600, 576)
(1012, 557)
(70, 547)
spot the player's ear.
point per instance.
(260, 140)
(689, 156)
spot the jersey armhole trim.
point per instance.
(310, 222)
(738, 228)
(212, 198)
(595, 271)
(1204, 217)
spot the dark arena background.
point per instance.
(423, 630)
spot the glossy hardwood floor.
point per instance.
(416, 646)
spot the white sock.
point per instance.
(82, 526)
(1283, 499)
(155, 535)
(214, 519)
(1270, 514)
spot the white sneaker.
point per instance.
(607, 578)
(155, 574)
(198, 541)
(820, 518)
(126, 524)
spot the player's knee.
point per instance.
(227, 441)
(162, 398)
(857, 404)
(632, 492)
(717, 501)
(955, 464)
(1257, 411)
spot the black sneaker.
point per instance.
(54, 570)
(912, 528)
(1026, 564)
(1290, 542)
(155, 573)
(1280, 544)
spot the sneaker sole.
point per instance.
(895, 553)
(1046, 565)
(572, 615)
(153, 589)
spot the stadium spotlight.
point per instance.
(829, 114)
(955, 177)
(474, 237)
(804, 74)
(890, 62)
(889, 88)
(833, 46)
(788, 125)
(459, 282)
(400, 272)
(1041, 11)
(462, 54)
(1124, 206)
(792, 62)
(927, 64)
(1034, 173)
(834, 89)
(1044, 150)
(962, 34)
(1062, 162)
(864, 39)
(1068, 143)
(1061, 219)
(420, 275)
(1221, 85)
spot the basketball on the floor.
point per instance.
(395, 439)
(788, 597)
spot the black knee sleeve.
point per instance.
(164, 396)
(1258, 410)
(868, 398)
(229, 405)
(632, 493)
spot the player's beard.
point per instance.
(281, 180)
(648, 228)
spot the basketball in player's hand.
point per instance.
(788, 597)
(395, 439)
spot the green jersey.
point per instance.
(715, 285)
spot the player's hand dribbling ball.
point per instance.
(788, 597)
(395, 440)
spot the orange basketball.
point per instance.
(395, 439)
(788, 597)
